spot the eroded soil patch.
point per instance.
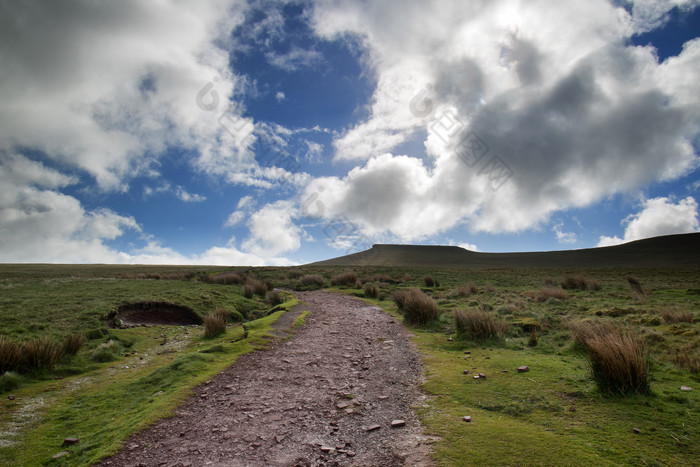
(326, 396)
(157, 313)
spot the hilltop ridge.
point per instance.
(674, 251)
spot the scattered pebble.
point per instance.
(70, 441)
(466, 372)
(636, 430)
(398, 423)
(686, 388)
(467, 418)
(523, 369)
(58, 455)
(373, 427)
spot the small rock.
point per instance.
(350, 453)
(132, 446)
(467, 352)
(487, 358)
(279, 438)
(341, 405)
(398, 423)
(523, 369)
(636, 430)
(325, 448)
(349, 411)
(58, 455)
(381, 398)
(70, 441)
(373, 427)
(467, 356)
(686, 388)
(449, 339)
(466, 372)
(505, 371)
(467, 418)
(476, 376)
(482, 376)
(572, 409)
(11, 397)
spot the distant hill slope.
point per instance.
(672, 251)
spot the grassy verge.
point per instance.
(104, 406)
(553, 414)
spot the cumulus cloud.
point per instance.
(108, 88)
(183, 195)
(523, 112)
(272, 230)
(659, 216)
(563, 236)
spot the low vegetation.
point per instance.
(591, 383)
(479, 325)
(348, 279)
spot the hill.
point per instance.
(671, 251)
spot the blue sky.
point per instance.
(282, 133)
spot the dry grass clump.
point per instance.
(479, 325)
(371, 290)
(274, 298)
(688, 356)
(574, 283)
(225, 278)
(594, 285)
(248, 291)
(73, 343)
(417, 307)
(214, 324)
(551, 292)
(430, 281)
(467, 290)
(637, 288)
(617, 357)
(294, 274)
(41, 353)
(10, 355)
(676, 316)
(347, 279)
(259, 287)
(312, 279)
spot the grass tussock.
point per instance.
(9, 381)
(479, 325)
(274, 298)
(417, 308)
(248, 291)
(687, 356)
(73, 343)
(41, 353)
(259, 287)
(312, 279)
(617, 357)
(10, 355)
(574, 283)
(467, 290)
(371, 290)
(294, 274)
(670, 316)
(225, 278)
(637, 288)
(430, 281)
(107, 352)
(348, 279)
(214, 324)
(551, 292)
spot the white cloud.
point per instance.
(272, 230)
(280, 96)
(574, 113)
(659, 216)
(651, 14)
(183, 195)
(107, 88)
(468, 246)
(562, 236)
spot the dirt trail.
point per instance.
(312, 400)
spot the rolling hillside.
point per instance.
(672, 251)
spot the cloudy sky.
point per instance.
(266, 132)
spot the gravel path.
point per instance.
(325, 397)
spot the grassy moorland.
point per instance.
(119, 379)
(559, 412)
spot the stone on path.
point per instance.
(58, 455)
(398, 423)
(373, 427)
(523, 369)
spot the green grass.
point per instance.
(518, 418)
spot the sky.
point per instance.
(278, 133)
